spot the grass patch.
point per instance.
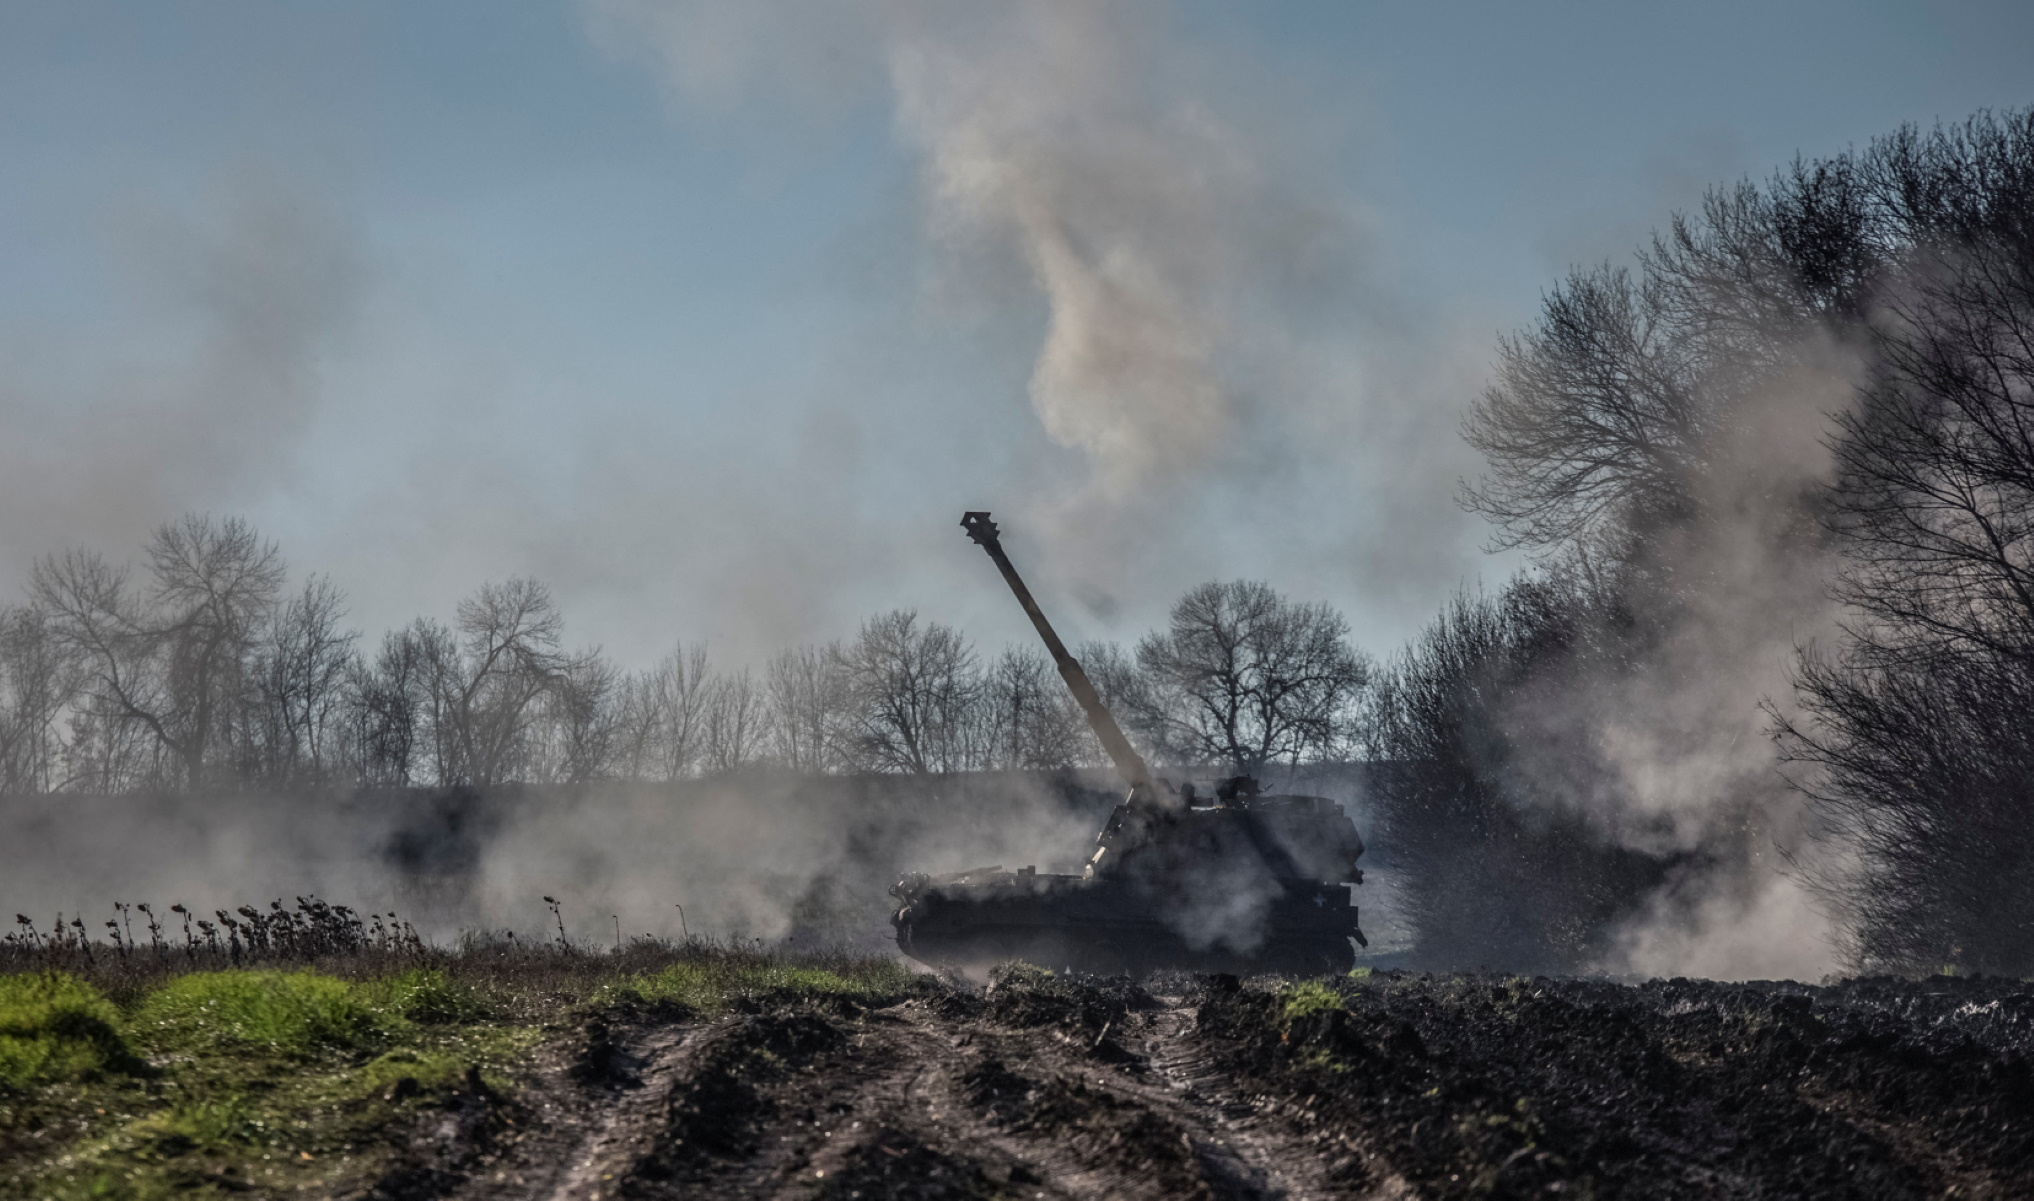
(430, 996)
(714, 986)
(199, 1122)
(1298, 1002)
(55, 1027)
(293, 1014)
(253, 1122)
(268, 1081)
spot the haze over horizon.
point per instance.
(714, 316)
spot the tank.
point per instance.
(1235, 880)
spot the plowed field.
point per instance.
(1392, 1086)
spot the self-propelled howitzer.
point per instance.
(1247, 883)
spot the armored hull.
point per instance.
(1244, 887)
(1106, 927)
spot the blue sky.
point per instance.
(665, 304)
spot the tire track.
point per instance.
(1245, 1134)
(1165, 1125)
(919, 1100)
(579, 1136)
(629, 1127)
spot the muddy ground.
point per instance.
(1394, 1086)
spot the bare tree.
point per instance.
(1244, 677)
(661, 716)
(913, 686)
(39, 680)
(1028, 721)
(508, 657)
(737, 722)
(1597, 415)
(1607, 412)
(1937, 465)
(638, 719)
(1629, 421)
(107, 751)
(391, 703)
(1500, 862)
(300, 675)
(1922, 767)
(1606, 416)
(682, 680)
(809, 708)
(582, 712)
(216, 585)
(174, 659)
(1916, 747)
(96, 617)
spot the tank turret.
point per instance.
(1248, 882)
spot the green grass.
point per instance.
(430, 996)
(293, 1014)
(713, 986)
(225, 1123)
(1297, 1002)
(268, 1080)
(55, 1027)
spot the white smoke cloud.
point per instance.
(1766, 927)
(1216, 347)
(1691, 767)
(1125, 213)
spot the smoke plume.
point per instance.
(1686, 737)
(1217, 347)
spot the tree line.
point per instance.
(202, 668)
(1644, 442)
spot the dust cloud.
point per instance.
(756, 855)
(1680, 761)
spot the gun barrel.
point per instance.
(1129, 764)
